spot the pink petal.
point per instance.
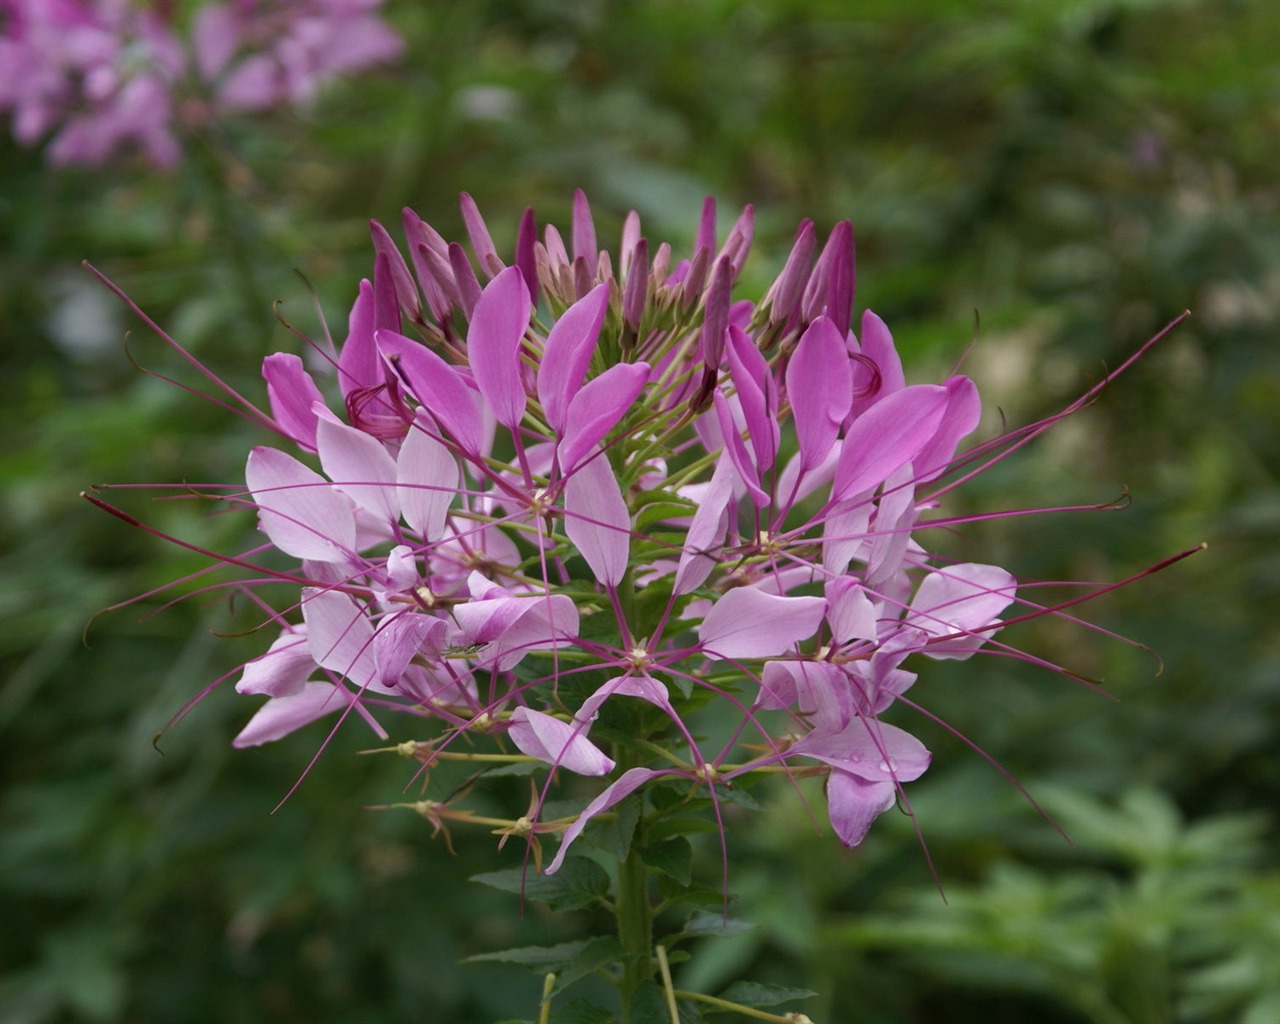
(584, 229)
(964, 410)
(292, 394)
(568, 352)
(339, 635)
(877, 345)
(854, 803)
(869, 749)
(850, 612)
(748, 623)
(706, 532)
(478, 232)
(427, 474)
(557, 743)
(298, 509)
(886, 437)
(626, 784)
(282, 670)
(597, 408)
(736, 449)
(757, 395)
(358, 363)
(493, 344)
(645, 687)
(961, 599)
(597, 520)
(282, 715)
(360, 467)
(819, 388)
(438, 387)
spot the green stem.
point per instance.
(635, 922)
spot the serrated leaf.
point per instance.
(580, 1011)
(753, 993)
(579, 883)
(595, 955)
(544, 959)
(673, 857)
(649, 1006)
(706, 923)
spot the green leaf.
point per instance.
(596, 954)
(706, 923)
(580, 1011)
(649, 1006)
(752, 993)
(542, 959)
(613, 832)
(579, 883)
(673, 857)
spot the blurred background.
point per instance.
(1052, 182)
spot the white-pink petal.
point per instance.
(427, 474)
(360, 467)
(557, 743)
(627, 783)
(299, 510)
(748, 623)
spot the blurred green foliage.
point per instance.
(1076, 172)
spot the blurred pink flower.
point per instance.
(99, 77)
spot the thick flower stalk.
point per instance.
(574, 506)
(105, 75)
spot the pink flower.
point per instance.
(538, 493)
(106, 77)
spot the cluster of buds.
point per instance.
(552, 489)
(106, 74)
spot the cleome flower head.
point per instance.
(571, 504)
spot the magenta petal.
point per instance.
(820, 389)
(437, 386)
(597, 520)
(293, 395)
(748, 623)
(299, 509)
(850, 612)
(557, 743)
(964, 410)
(358, 363)
(757, 396)
(627, 783)
(597, 408)
(406, 290)
(886, 437)
(282, 715)
(854, 803)
(737, 451)
(478, 232)
(583, 229)
(493, 344)
(360, 467)
(877, 345)
(568, 352)
(427, 474)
